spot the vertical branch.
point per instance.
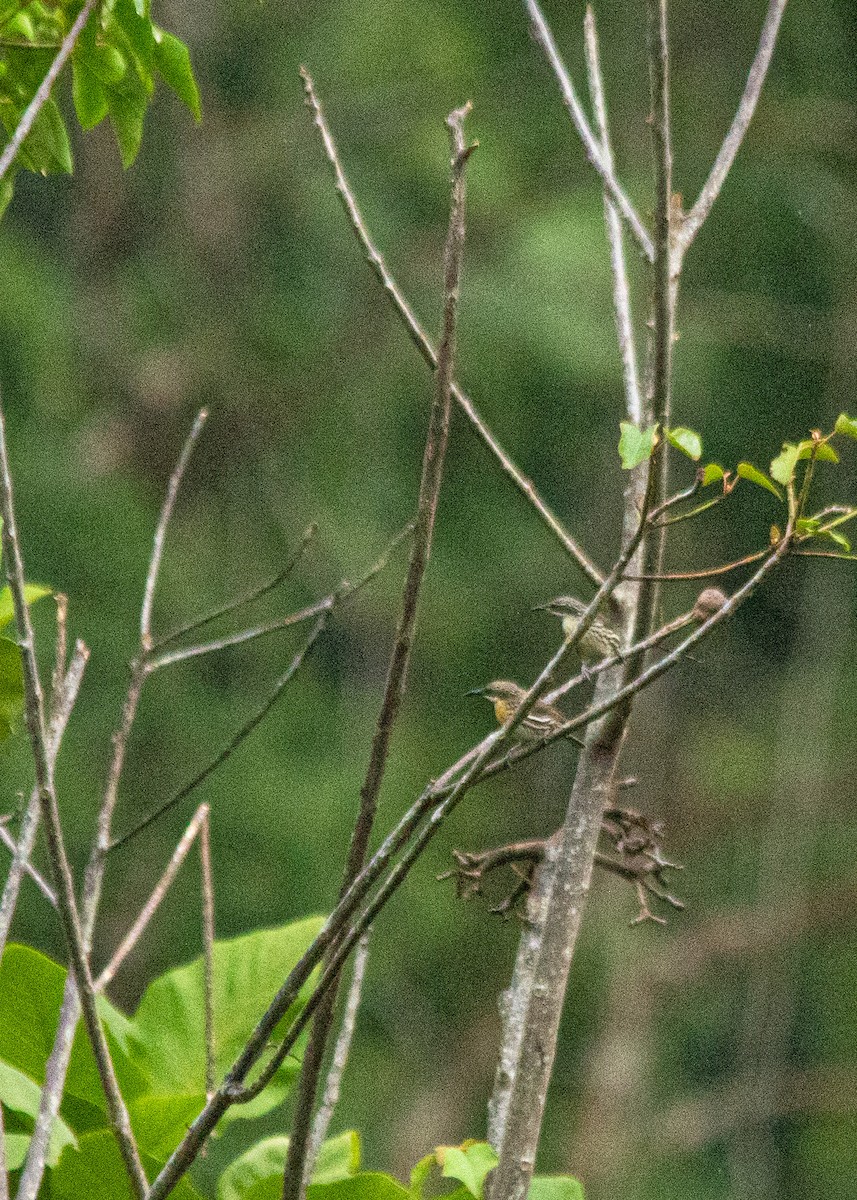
(60, 868)
(621, 294)
(665, 271)
(57, 1065)
(63, 702)
(208, 950)
(430, 483)
(323, 1117)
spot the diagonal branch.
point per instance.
(592, 150)
(732, 142)
(422, 342)
(296, 1176)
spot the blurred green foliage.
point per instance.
(220, 271)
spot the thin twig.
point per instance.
(207, 882)
(591, 148)
(621, 293)
(295, 1173)
(423, 343)
(744, 115)
(345, 591)
(60, 868)
(62, 703)
(154, 902)
(171, 657)
(708, 572)
(38, 879)
(58, 1061)
(61, 646)
(324, 1116)
(248, 598)
(161, 530)
(43, 92)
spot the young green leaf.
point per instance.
(46, 148)
(469, 1164)
(636, 445)
(127, 109)
(754, 475)
(686, 440)
(261, 1167)
(172, 60)
(846, 425)
(90, 98)
(783, 466)
(32, 593)
(555, 1187)
(11, 687)
(822, 450)
(711, 473)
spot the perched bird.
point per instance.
(601, 639)
(506, 696)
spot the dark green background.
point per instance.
(220, 271)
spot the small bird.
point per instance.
(601, 639)
(506, 697)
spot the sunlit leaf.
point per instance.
(172, 60)
(846, 425)
(32, 593)
(711, 473)
(686, 440)
(636, 445)
(754, 475)
(783, 466)
(468, 1164)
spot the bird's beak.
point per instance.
(476, 692)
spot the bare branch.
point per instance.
(154, 902)
(345, 592)
(60, 868)
(296, 1174)
(422, 342)
(63, 703)
(248, 598)
(43, 92)
(621, 294)
(592, 150)
(38, 879)
(171, 657)
(208, 949)
(161, 529)
(323, 1117)
(726, 156)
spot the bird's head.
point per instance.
(499, 690)
(563, 606)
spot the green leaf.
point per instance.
(90, 98)
(108, 64)
(711, 472)
(16, 1146)
(96, 1171)
(686, 440)
(368, 1185)
(21, 1094)
(636, 445)
(31, 991)
(420, 1174)
(754, 475)
(7, 191)
(11, 687)
(168, 1040)
(46, 148)
(783, 466)
(259, 1171)
(823, 452)
(32, 593)
(172, 60)
(160, 1122)
(807, 526)
(127, 110)
(555, 1187)
(140, 34)
(846, 425)
(469, 1166)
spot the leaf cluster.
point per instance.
(115, 63)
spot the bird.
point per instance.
(601, 640)
(506, 696)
